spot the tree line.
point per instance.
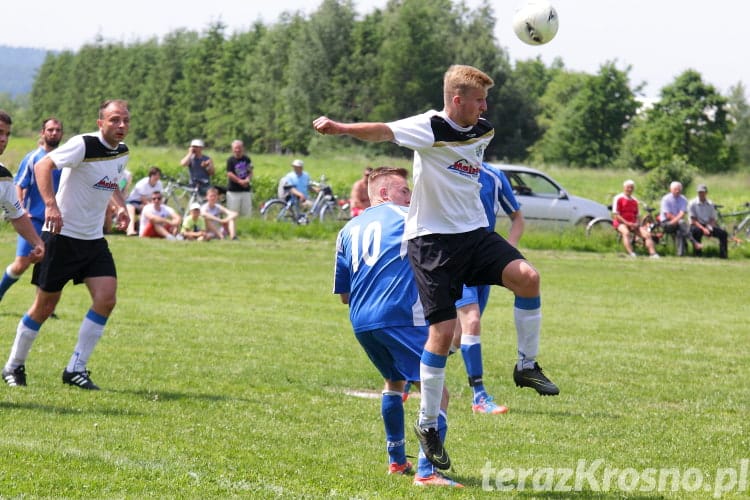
(267, 84)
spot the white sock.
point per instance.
(11, 274)
(26, 332)
(528, 327)
(89, 334)
(432, 380)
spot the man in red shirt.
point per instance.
(625, 220)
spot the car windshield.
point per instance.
(530, 184)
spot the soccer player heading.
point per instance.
(447, 243)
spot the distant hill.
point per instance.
(18, 66)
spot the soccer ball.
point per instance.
(536, 22)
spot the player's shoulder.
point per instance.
(5, 174)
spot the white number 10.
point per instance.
(370, 244)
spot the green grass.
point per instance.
(224, 363)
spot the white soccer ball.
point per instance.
(536, 22)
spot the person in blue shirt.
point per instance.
(374, 277)
(297, 183)
(496, 194)
(28, 194)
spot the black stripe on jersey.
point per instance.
(96, 151)
(444, 133)
(4, 172)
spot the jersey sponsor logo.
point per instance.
(106, 184)
(463, 167)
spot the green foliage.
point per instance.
(588, 118)
(689, 121)
(658, 179)
(739, 110)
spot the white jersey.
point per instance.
(144, 188)
(9, 203)
(150, 210)
(91, 174)
(447, 161)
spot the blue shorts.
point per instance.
(395, 351)
(475, 295)
(23, 247)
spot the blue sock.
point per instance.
(424, 466)
(392, 410)
(471, 350)
(6, 283)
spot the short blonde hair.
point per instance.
(459, 79)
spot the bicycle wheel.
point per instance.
(178, 200)
(600, 227)
(276, 210)
(328, 213)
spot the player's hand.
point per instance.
(325, 125)
(123, 220)
(53, 219)
(37, 254)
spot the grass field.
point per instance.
(224, 369)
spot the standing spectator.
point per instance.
(194, 225)
(28, 194)
(140, 196)
(673, 210)
(296, 183)
(447, 243)
(200, 166)
(159, 220)
(220, 221)
(386, 314)
(239, 180)
(359, 199)
(625, 218)
(703, 222)
(76, 247)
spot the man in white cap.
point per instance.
(200, 166)
(703, 221)
(297, 183)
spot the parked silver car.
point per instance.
(544, 201)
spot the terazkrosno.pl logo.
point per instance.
(597, 476)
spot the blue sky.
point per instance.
(658, 39)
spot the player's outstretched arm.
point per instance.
(366, 131)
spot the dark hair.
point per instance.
(5, 117)
(51, 119)
(154, 171)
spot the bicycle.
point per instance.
(741, 230)
(180, 194)
(602, 228)
(326, 207)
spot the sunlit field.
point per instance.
(226, 367)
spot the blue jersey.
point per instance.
(371, 266)
(25, 179)
(496, 194)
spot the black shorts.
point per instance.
(443, 263)
(68, 259)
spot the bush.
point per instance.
(658, 179)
